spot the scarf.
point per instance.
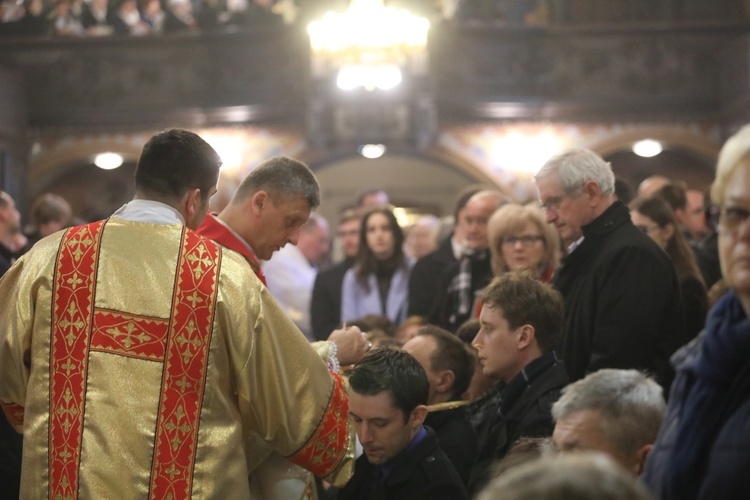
(710, 377)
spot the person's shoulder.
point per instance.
(441, 476)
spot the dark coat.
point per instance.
(425, 276)
(695, 302)
(325, 305)
(444, 313)
(526, 413)
(622, 301)
(722, 472)
(456, 437)
(423, 472)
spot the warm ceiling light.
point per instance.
(368, 44)
(372, 151)
(647, 148)
(108, 161)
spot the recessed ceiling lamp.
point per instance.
(108, 161)
(647, 148)
(372, 151)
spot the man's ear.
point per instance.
(192, 203)
(642, 456)
(592, 189)
(259, 201)
(445, 382)
(418, 415)
(526, 337)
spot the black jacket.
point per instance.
(456, 436)
(445, 310)
(622, 301)
(424, 279)
(325, 305)
(526, 409)
(423, 472)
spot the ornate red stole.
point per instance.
(181, 342)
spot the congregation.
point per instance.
(95, 18)
(589, 344)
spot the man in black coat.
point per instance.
(325, 304)
(449, 366)
(459, 285)
(622, 298)
(401, 459)
(521, 322)
(425, 275)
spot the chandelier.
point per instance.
(368, 45)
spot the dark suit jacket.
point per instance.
(622, 301)
(325, 305)
(423, 472)
(425, 276)
(526, 405)
(456, 437)
(445, 310)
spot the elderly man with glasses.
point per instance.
(622, 301)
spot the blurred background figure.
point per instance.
(378, 281)
(425, 277)
(49, 213)
(325, 305)
(703, 448)
(291, 272)
(421, 238)
(371, 198)
(10, 228)
(521, 240)
(591, 476)
(695, 216)
(650, 185)
(655, 218)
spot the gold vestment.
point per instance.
(137, 358)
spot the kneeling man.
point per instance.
(402, 459)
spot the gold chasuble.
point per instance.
(142, 361)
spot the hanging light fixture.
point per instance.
(368, 45)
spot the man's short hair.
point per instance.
(50, 207)
(282, 177)
(450, 354)
(393, 370)
(463, 198)
(524, 300)
(173, 162)
(347, 215)
(575, 168)
(579, 476)
(674, 194)
(630, 404)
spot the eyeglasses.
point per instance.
(552, 204)
(731, 218)
(526, 240)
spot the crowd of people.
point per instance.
(569, 345)
(79, 18)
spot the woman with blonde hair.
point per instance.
(703, 447)
(521, 240)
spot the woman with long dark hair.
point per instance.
(655, 218)
(378, 282)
